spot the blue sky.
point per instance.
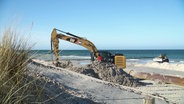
(109, 24)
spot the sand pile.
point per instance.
(104, 71)
(109, 72)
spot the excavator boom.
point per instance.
(73, 39)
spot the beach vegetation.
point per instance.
(16, 87)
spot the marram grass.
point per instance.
(15, 86)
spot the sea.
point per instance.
(140, 56)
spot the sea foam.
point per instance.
(165, 65)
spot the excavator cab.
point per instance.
(118, 59)
(106, 56)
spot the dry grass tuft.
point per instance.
(15, 86)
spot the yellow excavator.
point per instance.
(118, 59)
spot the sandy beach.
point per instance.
(87, 89)
(92, 52)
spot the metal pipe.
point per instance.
(157, 77)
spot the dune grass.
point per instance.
(15, 86)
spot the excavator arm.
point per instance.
(73, 39)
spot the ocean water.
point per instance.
(143, 56)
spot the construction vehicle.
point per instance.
(118, 59)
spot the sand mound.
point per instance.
(109, 72)
(104, 71)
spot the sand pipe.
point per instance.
(157, 77)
